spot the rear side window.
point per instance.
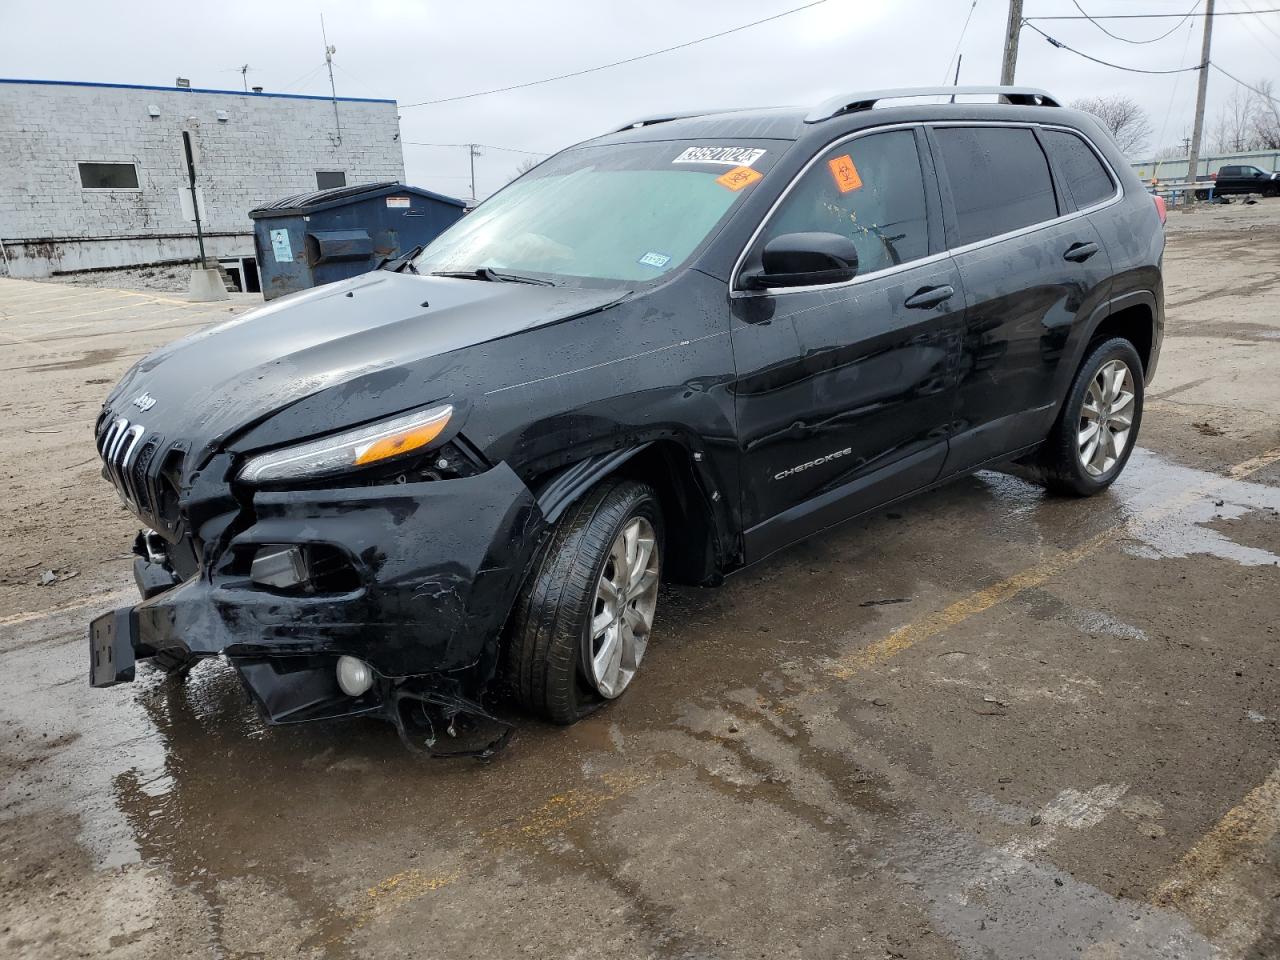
(869, 189)
(1086, 177)
(999, 180)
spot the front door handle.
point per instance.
(927, 297)
(1080, 252)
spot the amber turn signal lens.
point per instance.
(401, 442)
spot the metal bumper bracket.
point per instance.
(111, 657)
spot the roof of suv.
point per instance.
(854, 109)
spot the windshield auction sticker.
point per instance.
(728, 156)
(739, 177)
(845, 173)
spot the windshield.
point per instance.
(620, 212)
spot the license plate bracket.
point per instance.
(111, 656)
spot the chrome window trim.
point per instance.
(737, 291)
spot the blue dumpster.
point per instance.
(327, 235)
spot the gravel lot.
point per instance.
(986, 723)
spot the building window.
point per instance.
(328, 179)
(108, 176)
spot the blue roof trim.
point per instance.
(232, 93)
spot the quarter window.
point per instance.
(1086, 177)
(869, 189)
(108, 176)
(999, 180)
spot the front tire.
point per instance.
(1095, 433)
(582, 621)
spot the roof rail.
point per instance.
(852, 102)
(682, 115)
(662, 118)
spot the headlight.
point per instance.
(340, 452)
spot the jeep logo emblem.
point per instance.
(144, 402)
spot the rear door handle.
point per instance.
(927, 297)
(1080, 252)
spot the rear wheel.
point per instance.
(1095, 433)
(583, 618)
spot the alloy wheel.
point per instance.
(622, 616)
(1106, 418)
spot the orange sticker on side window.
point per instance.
(845, 173)
(739, 177)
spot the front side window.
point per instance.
(108, 176)
(869, 189)
(999, 180)
(607, 214)
(1086, 177)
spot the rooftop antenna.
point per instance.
(244, 77)
(329, 51)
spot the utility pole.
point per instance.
(1011, 32)
(475, 152)
(195, 203)
(329, 51)
(1193, 158)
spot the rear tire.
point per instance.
(1098, 426)
(582, 620)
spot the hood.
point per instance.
(207, 386)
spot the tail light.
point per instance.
(1161, 208)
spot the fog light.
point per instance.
(278, 566)
(354, 676)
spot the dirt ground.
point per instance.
(986, 723)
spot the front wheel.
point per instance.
(1092, 440)
(582, 621)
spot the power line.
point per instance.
(490, 146)
(960, 40)
(1116, 36)
(616, 63)
(1151, 16)
(1079, 53)
(1186, 44)
(1264, 96)
(1262, 23)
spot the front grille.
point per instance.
(118, 446)
(129, 458)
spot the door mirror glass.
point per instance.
(805, 259)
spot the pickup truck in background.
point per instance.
(1244, 179)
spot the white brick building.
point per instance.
(94, 175)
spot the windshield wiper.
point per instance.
(494, 276)
(402, 261)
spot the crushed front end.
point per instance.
(378, 593)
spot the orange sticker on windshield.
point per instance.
(739, 177)
(845, 173)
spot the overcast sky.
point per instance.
(413, 51)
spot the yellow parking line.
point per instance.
(1250, 825)
(908, 636)
(23, 318)
(105, 599)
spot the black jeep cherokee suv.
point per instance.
(663, 353)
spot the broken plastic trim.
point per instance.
(427, 718)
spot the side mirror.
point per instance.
(805, 259)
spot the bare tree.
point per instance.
(524, 166)
(1266, 117)
(1233, 129)
(1126, 120)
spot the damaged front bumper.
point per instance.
(414, 579)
